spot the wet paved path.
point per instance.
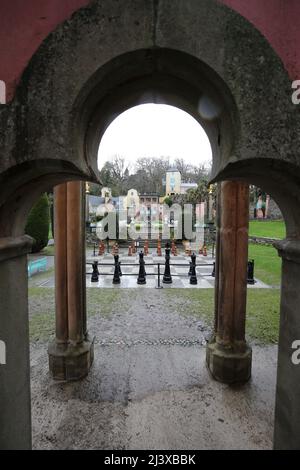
(149, 387)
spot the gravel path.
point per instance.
(149, 387)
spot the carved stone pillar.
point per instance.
(228, 355)
(71, 354)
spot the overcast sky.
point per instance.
(154, 130)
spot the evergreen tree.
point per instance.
(37, 225)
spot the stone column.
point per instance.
(75, 249)
(228, 355)
(61, 296)
(15, 412)
(71, 354)
(217, 257)
(287, 409)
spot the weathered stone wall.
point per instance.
(274, 211)
(85, 59)
(32, 21)
(263, 240)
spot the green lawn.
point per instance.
(262, 321)
(267, 264)
(41, 313)
(42, 308)
(267, 228)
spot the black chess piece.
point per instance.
(167, 278)
(193, 277)
(142, 274)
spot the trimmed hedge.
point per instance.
(38, 222)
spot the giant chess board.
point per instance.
(179, 270)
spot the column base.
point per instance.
(228, 365)
(70, 362)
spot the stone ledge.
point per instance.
(263, 240)
(289, 249)
(13, 247)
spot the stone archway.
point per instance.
(103, 59)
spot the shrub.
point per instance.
(168, 200)
(37, 225)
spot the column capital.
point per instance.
(289, 249)
(13, 247)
